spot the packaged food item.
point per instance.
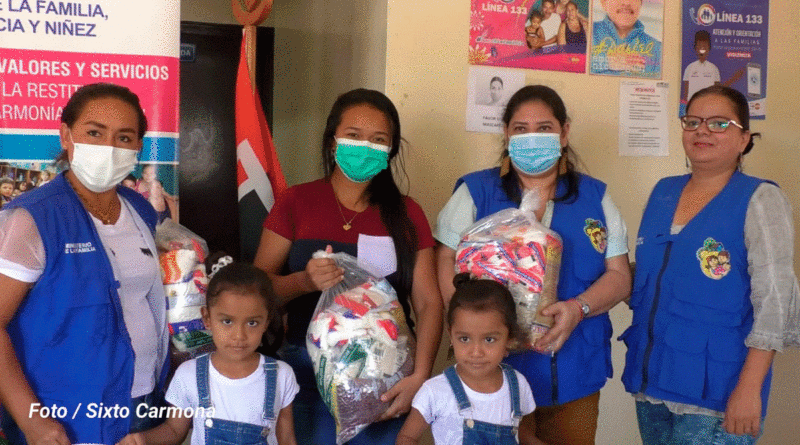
(360, 345)
(513, 248)
(181, 256)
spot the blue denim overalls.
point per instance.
(484, 433)
(220, 431)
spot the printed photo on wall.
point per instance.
(626, 38)
(725, 43)
(487, 96)
(536, 34)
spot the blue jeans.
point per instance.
(313, 423)
(659, 426)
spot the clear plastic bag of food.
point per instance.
(360, 345)
(181, 257)
(513, 248)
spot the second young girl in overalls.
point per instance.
(479, 400)
(251, 395)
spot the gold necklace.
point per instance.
(347, 224)
(107, 215)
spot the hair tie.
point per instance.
(221, 262)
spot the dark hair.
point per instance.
(5, 180)
(94, 91)
(83, 95)
(243, 278)
(382, 189)
(547, 96)
(535, 13)
(740, 105)
(702, 36)
(496, 79)
(552, 2)
(570, 2)
(481, 295)
(130, 177)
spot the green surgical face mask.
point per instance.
(360, 161)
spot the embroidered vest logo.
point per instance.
(715, 261)
(78, 248)
(597, 234)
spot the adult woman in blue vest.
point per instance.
(574, 357)
(83, 339)
(715, 294)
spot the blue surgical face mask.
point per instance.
(360, 161)
(534, 153)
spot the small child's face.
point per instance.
(702, 49)
(536, 22)
(236, 321)
(129, 183)
(479, 341)
(7, 189)
(149, 173)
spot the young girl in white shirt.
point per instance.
(478, 400)
(234, 394)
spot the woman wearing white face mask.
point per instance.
(574, 357)
(82, 308)
(356, 208)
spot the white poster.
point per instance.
(643, 124)
(488, 93)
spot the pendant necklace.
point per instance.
(347, 224)
(105, 215)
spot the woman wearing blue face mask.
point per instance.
(356, 208)
(573, 359)
(82, 308)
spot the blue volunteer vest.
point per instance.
(583, 364)
(691, 299)
(69, 333)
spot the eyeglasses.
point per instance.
(715, 124)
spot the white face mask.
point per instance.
(101, 167)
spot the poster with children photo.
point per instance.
(725, 43)
(17, 178)
(535, 34)
(158, 183)
(627, 38)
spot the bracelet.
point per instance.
(579, 306)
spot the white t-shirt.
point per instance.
(134, 266)
(550, 27)
(437, 404)
(700, 75)
(239, 400)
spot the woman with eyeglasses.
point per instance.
(714, 294)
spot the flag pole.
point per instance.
(250, 14)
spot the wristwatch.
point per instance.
(584, 306)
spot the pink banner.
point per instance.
(36, 84)
(529, 34)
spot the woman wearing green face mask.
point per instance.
(356, 208)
